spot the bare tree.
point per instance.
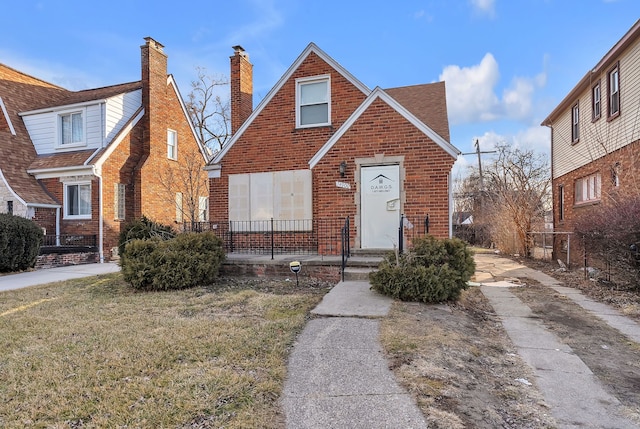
(209, 110)
(517, 196)
(189, 180)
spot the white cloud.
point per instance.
(485, 7)
(536, 138)
(471, 93)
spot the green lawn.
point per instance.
(95, 353)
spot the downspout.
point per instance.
(449, 215)
(98, 174)
(57, 226)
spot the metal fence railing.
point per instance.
(71, 240)
(317, 236)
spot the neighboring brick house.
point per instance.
(322, 146)
(595, 140)
(85, 162)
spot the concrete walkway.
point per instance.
(338, 376)
(575, 395)
(49, 275)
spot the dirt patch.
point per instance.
(464, 372)
(461, 367)
(611, 356)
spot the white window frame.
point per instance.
(596, 102)
(66, 202)
(575, 123)
(299, 104)
(172, 144)
(203, 209)
(613, 91)
(588, 189)
(59, 131)
(119, 197)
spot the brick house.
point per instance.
(595, 141)
(85, 162)
(321, 147)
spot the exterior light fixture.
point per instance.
(343, 168)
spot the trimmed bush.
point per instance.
(432, 271)
(188, 260)
(143, 229)
(20, 241)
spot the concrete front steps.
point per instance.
(362, 262)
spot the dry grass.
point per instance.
(94, 353)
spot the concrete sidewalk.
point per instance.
(575, 395)
(338, 376)
(49, 275)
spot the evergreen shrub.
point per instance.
(433, 270)
(188, 260)
(143, 229)
(20, 242)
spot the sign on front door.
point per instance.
(379, 206)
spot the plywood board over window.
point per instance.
(284, 196)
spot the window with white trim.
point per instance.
(587, 189)
(77, 200)
(179, 211)
(575, 123)
(71, 129)
(313, 102)
(172, 144)
(613, 91)
(119, 201)
(203, 209)
(284, 196)
(595, 101)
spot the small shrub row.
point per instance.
(20, 241)
(432, 271)
(188, 260)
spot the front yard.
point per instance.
(95, 353)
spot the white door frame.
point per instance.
(377, 160)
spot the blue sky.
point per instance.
(506, 63)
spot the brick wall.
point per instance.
(272, 143)
(627, 160)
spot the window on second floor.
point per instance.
(71, 129)
(587, 189)
(575, 123)
(613, 91)
(77, 201)
(313, 102)
(172, 144)
(595, 101)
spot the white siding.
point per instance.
(103, 121)
(119, 110)
(602, 136)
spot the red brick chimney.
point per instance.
(154, 91)
(241, 88)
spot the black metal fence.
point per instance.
(69, 243)
(317, 236)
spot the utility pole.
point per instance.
(478, 152)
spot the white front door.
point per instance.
(379, 206)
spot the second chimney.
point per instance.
(241, 88)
